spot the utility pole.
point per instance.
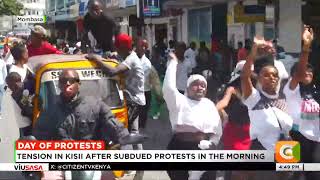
(138, 8)
(140, 18)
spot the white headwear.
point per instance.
(78, 44)
(195, 77)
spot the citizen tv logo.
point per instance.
(287, 152)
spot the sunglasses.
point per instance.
(71, 80)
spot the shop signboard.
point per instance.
(249, 13)
(151, 8)
(83, 7)
(74, 10)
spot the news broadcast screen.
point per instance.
(160, 90)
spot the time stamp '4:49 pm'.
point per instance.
(298, 166)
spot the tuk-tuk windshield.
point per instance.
(93, 85)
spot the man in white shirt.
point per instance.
(194, 119)
(142, 46)
(184, 67)
(191, 54)
(20, 55)
(134, 78)
(23, 112)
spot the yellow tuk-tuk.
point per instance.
(93, 83)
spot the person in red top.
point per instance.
(38, 44)
(242, 52)
(214, 44)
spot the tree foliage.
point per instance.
(10, 7)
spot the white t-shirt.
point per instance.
(146, 66)
(188, 115)
(21, 71)
(304, 111)
(183, 70)
(13, 110)
(134, 79)
(9, 130)
(264, 125)
(190, 55)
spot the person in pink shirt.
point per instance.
(38, 44)
(242, 52)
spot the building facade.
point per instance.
(191, 20)
(6, 24)
(30, 7)
(62, 19)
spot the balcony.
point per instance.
(34, 6)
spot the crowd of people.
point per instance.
(261, 104)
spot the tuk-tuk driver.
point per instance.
(76, 117)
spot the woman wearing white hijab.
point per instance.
(195, 120)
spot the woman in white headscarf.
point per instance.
(195, 120)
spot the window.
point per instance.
(269, 32)
(106, 89)
(52, 5)
(60, 4)
(199, 25)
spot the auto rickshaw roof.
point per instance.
(36, 62)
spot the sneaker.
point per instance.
(156, 116)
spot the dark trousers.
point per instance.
(26, 131)
(307, 150)
(180, 144)
(256, 145)
(143, 116)
(134, 110)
